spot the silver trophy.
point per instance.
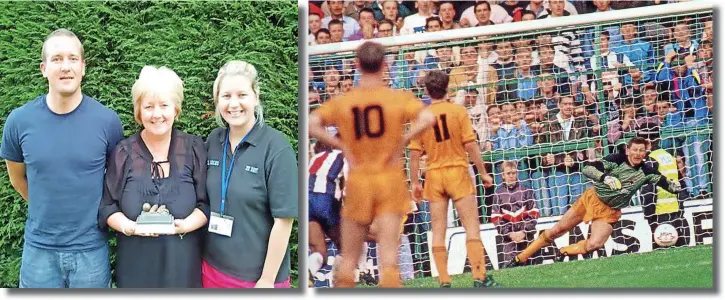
(155, 220)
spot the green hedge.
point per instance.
(193, 38)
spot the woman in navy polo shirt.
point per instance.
(252, 188)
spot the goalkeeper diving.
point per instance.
(616, 178)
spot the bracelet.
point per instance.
(181, 235)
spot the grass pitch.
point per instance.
(686, 267)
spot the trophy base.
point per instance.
(155, 224)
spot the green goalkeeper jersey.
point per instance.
(631, 177)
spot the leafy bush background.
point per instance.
(193, 38)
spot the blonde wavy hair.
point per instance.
(157, 82)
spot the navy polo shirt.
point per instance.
(262, 187)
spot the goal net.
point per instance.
(550, 95)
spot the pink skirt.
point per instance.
(212, 278)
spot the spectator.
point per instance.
(515, 9)
(385, 29)
(568, 8)
(660, 206)
(315, 25)
(537, 7)
(669, 119)
(513, 133)
(367, 17)
(493, 113)
(447, 12)
(707, 31)
(505, 70)
(487, 73)
(322, 36)
(634, 83)
(359, 6)
(349, 25)
(416, 23)
(526, 81)
(567, 46)
(704, 69)
(316, 81)
(609, 59)
(346, 84)
(331, 91)
(514, 213)
(634, 121)
(547, 95)
(683, 45)
(345, 9)
(477, 111)
(337, 31)
(688, 96)
(315, 9)
(615, 36)
(313, 97)
(331, 76)
(561, 170)
(498, 15)
(467, 72)
(483, 13)
(393, 11)
(528, 15)
(546, 65)
(640, 52)
(433, 24)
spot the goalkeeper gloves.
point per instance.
(674, 186)
(612, 182)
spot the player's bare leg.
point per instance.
(600, 232)
(571, 218)
(438, 215)
(389, 241)
(468, 212)
(318, 248)
(352, 235)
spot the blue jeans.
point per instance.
(42, 268)
(696, 150)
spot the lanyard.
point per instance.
(226, 175)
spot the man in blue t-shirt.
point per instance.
(55, 148)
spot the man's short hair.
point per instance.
(482, 3)
(322, 30)
(637, 140)
(370, 56)
(604, 33)
(386, 21)
(334, 22)
(436, 82)
(430, 19)
(566, 96)
(446, 2)
(367, 10)
(490, 107)
(509, 164)
(66, 33)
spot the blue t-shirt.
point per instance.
(65, 162)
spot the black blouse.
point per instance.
(132, 179)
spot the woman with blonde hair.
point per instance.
(164, 168)
(252, 188)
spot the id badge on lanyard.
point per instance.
(220, 223)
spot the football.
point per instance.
(665, 235)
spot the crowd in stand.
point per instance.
(593, 84)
